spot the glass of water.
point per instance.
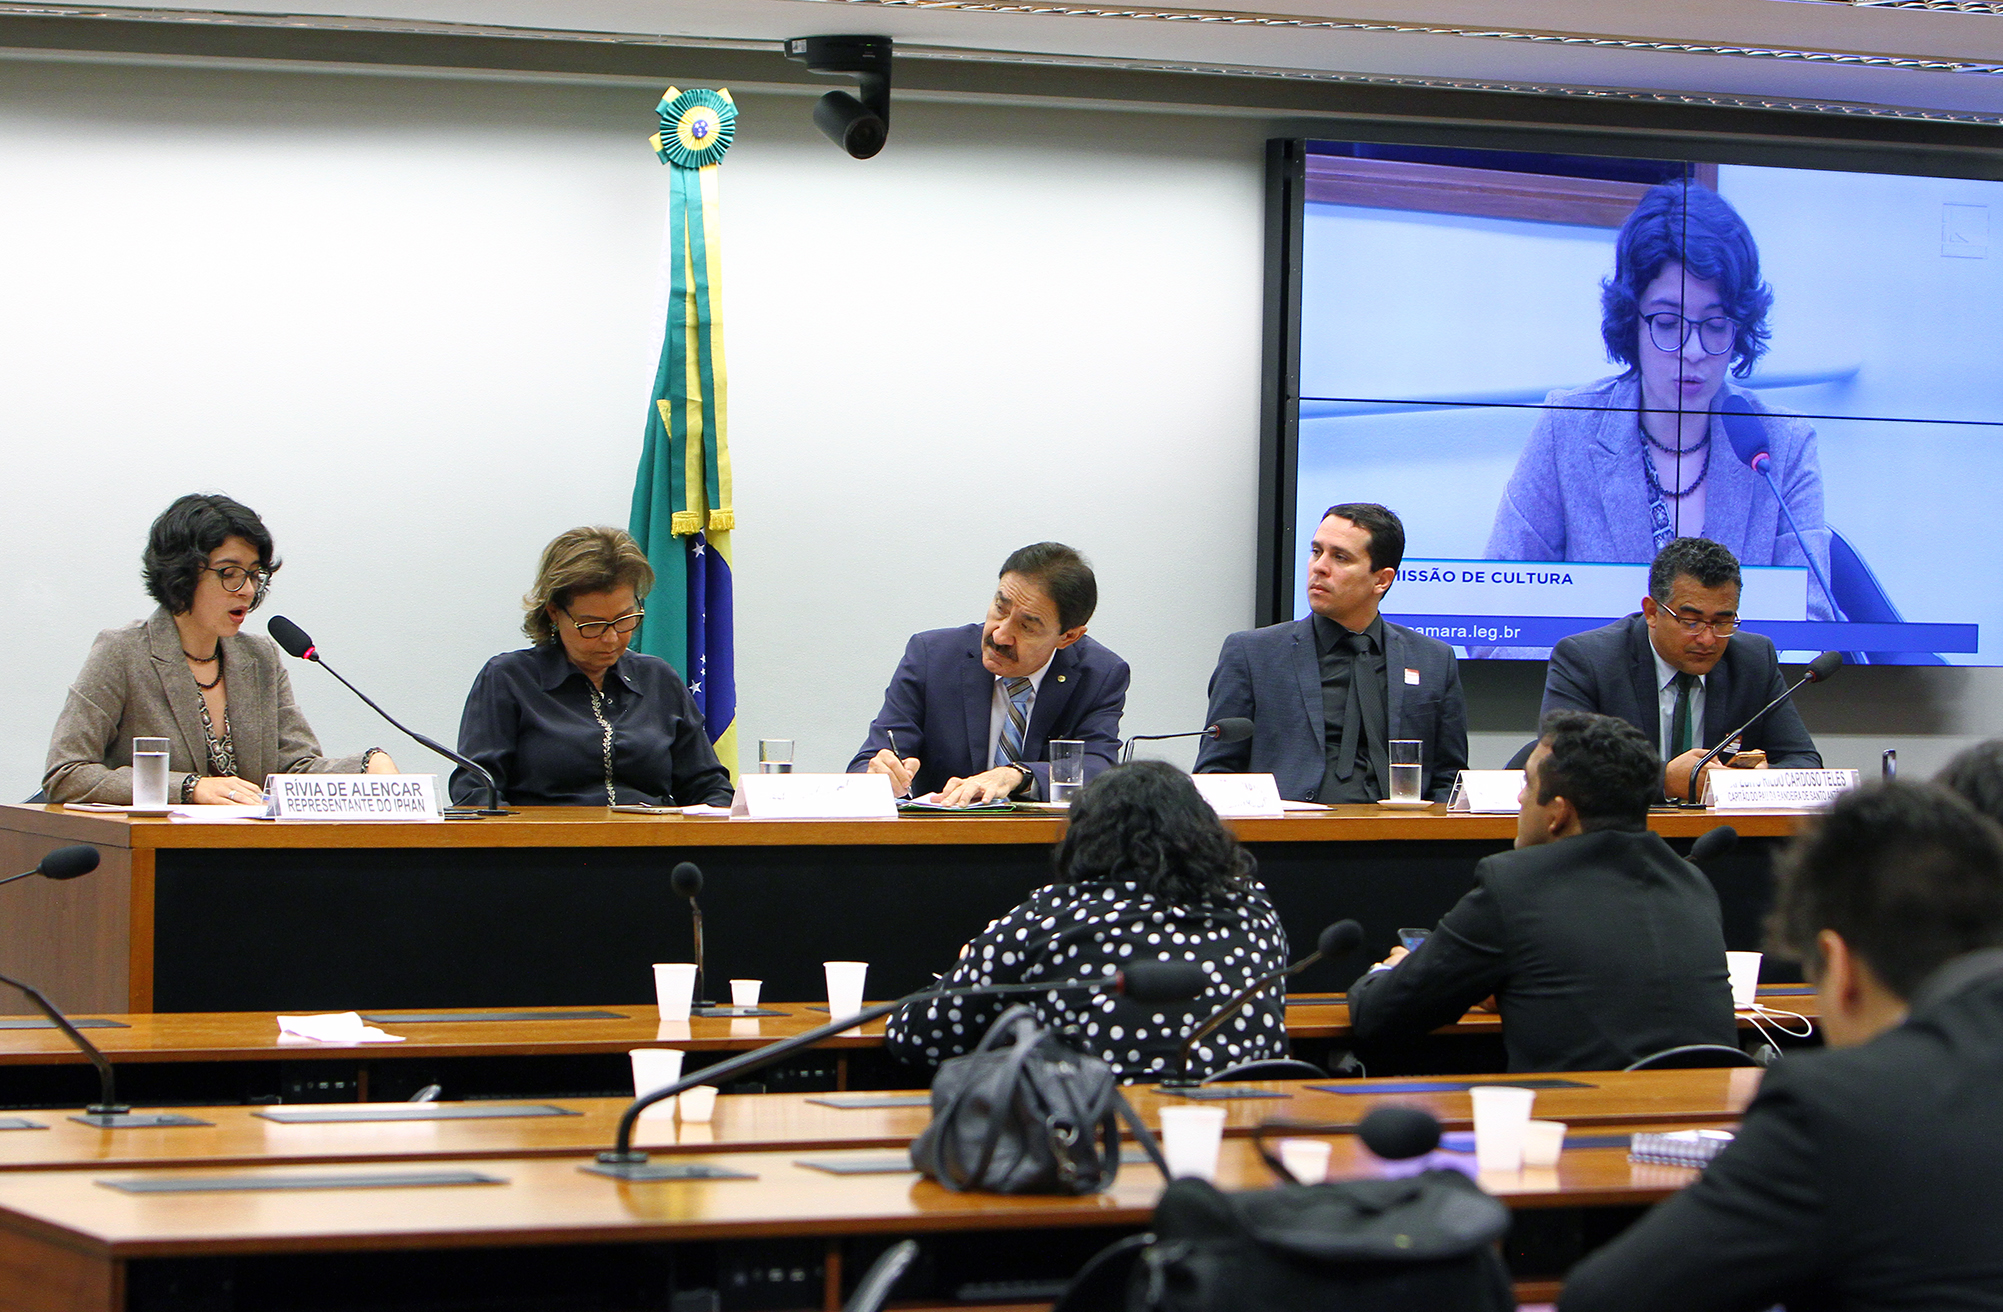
(1067, 768)
(149, 772)
(1405, 769)
(775, 756)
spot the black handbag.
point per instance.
(1426, 1241)
(1034, 1117)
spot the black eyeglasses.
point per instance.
(233, 577)
(596, 628)
(1670, 331)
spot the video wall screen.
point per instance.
(1551, 365)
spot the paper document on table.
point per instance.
(931, 802)
(704, 808)
(209, 815)
(334, 1027)
(1287, 805)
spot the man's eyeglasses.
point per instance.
(1670, 331)
(233, 577)
(596, 628)
(1719, 628)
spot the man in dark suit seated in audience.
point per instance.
(1683, 672)
(1865, 1176)
(1598, 943)
(970, 712)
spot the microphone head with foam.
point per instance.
(686, 879)
(1162, 981)
(1824, 665)
(1713, 843)
(290, 637)
(1343, 937)
(1230, 729)
(68, 862)
(1398, 1133)
(1744, 430)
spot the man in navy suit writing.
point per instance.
(1328, 693)
(970, 712)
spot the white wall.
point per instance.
(410, 321)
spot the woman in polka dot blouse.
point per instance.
(1147, 873)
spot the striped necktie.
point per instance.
(1008, 750)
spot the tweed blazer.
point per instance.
(135, 684)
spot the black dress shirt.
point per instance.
(1344, 670)
(531, 719)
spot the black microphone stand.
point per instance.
(494, 804)
(1127, 752)
(1812, 675)
(107, 1112)
(624, 1162)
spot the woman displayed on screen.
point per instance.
(1616, 469)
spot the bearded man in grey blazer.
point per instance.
(1327, 694)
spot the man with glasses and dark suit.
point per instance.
(1682, 672)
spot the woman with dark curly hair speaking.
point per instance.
(188, 674)
(1616, 469)
(1146, 872)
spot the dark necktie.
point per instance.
(1352, 711)
(1682, 733)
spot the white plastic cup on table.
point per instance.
(655, 1068)
(744, 992)
(1543, 1142)
(1744, 968)
(845, 979)
(1405, 765)
(775, 756)
(1305, 1159)
(674, 988)
(149, 773)
(1067, 768)
(1190, 1138)
(698, 1105)
(1500, 1113)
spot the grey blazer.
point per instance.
(135, 684)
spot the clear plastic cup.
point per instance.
(1500, 1113)
(845, 980)
(149, 773)
(1190, 1138)
(674, 988)
(1405, 767)
(1067, 768)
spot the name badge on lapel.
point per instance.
(1411, 677)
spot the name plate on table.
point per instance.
(1773, 790)
(1240, 796)
(1485, 791)
(814, 797)
(352, 797)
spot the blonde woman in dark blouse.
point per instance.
(1146, 872)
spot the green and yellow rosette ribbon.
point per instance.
(690, 386)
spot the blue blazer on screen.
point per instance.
(940, 698)
(1272, 677)
(1611, 671)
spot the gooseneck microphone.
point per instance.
(1712, 844)
(1819, 670)
(1399, 1133)
(1338, 939)
(686, 880)
(63, 863)
(1748, 437)
(1230, 729)
(294, 641)
(1143, 981)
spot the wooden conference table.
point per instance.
(558, 903)
(506, 1205)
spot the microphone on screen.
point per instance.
(293, 640)
(63, 863)
(1748, 436)
(1819, 670)
(686, 880)
(1151, 982)
(1712, 844)
(1336, 940)
(1230, 729)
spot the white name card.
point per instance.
(1487, 791)
(814, 797)
(1775, 790)
(1240, 796)
(352, 797)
